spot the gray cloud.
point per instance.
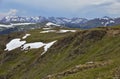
(64, 5)
(70, 7)
(12, 12)
(9, 13)
(114, 8)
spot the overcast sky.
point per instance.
(61, 8)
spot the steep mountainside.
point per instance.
(76, 54)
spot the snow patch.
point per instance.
(15, 24)
(47, 31)
(106, 18)
(50, 23)
(46, 28)
(33, 45)
(13, 44)
(111, 21)
(67, 20)
(16, 43)
(6, 26)
(38, 45)
(60, 31)
(106, 23)
(102, 22)
(64, 31)
(24, 37)
(47, 46)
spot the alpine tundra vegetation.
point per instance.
(81, 54)
(59, 39)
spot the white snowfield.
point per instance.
(60, 31)
(13, 44)
(111, 21)
(47, 46)
(47, 31)
(50, 24)
(24, 37)
(46, 28)
(37, 45)
(33, 45)
(64, 31)
(15, 24)
(6, 26)
(16, 43)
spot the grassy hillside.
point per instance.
(86, 54)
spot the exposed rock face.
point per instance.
(115, 32)
(78, 68)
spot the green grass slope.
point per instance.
(68, 58)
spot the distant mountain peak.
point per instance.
(75, 22)
(106, 18)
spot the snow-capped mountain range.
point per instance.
(9, 19)
(39, 19)
(70, 22)
(37, 22)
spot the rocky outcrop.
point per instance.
(78, 68)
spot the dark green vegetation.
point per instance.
(87, 54)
